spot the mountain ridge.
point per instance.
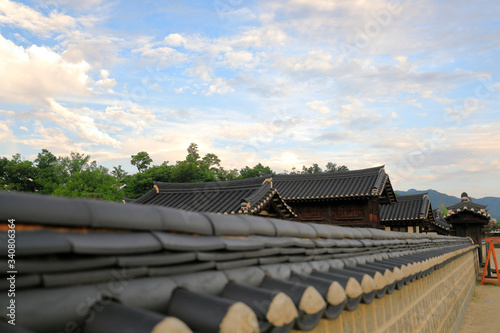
(439, 198)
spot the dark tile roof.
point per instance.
(245, 196)
(466, 204)
(440, 221)
(373, 182)
(116, 271)
(412, 208)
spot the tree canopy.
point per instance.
(77, 175)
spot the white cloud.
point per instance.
(319, 106)
(162, 56)
(134, 117)
(5, 130)
(240, 59)
(174, 40)
(36, 73)
(80, 124)
(202, 71)
(105, 82)
(50, 138)
(19, 15)
(97, 50)
(219, 86)
(78, 4)
(258, 38)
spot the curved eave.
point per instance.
(386, 193)
(265, 202)
(484, 214)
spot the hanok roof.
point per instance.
(466, 205)
(440, 221)
(246, 196)
(409, 208)
(108, 267)
(373, 182)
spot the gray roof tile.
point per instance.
(184, 221)
(334, 185)
(189, 243)
(158, 263)
(242, 244)
(181, 269)
(152, 294)
(43, 209)
(228, 224)
(160, 259)
(248, 196)
(55, 264)
(39, 242)
(94, 276)
(415, 207)
(108, 243)
(248, 276)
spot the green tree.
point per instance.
(141, 160)
(333, 167)
(186, 172)
(119, 173)
(140, 183)
(195, 169)
(256, 171)
(443, 209)
(94, 181)
(50, 173)
(75, 163)
(312, 169)
(17, 175)
(193, 155)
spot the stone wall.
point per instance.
(435, 303)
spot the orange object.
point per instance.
(490, 251)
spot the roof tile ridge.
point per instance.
(380, 182)
(249, 201)
(213, 185)
(336, 174)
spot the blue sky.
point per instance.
(412, 85)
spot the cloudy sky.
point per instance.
(412, 85)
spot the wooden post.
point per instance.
(491, 250)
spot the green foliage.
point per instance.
(333, 167)
(77, 176)
(444, 210)
(141, 160)
(50, 172)
(72, 176)
(92, 181)
(119, 173)
(193, 154)
(492, 226)
(17, 175)
(312, 169)
(140, 183)
(256, 171)
(315, 168)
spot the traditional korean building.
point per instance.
(468, 219)
(412, 213)
(350, 198)
(254, 196)
(440, 225)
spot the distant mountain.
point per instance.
(438, 198)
